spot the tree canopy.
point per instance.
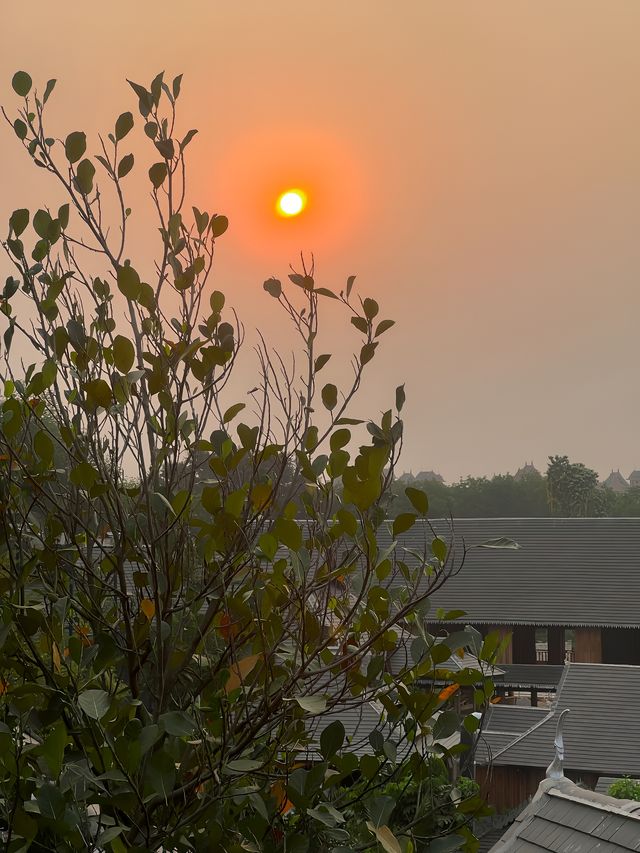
(567, 489)
(191, 584)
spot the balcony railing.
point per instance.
(542, 655)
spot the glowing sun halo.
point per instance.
(291, 203)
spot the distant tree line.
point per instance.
(567, 490)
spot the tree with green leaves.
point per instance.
(625, 789)
(501, 496)
(188, 581)
(573, 489)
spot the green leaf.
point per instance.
(165, 147)
(145, 99)
(123, 353)
(160, 774)
(124, 124)
(471, 723)
(84, 176)
(348, 521)
(216, 301)
(175, 86)
(380, 809)
(383, 325)
(11, 286)
(330, 396)
(129, 282)
(63, 216)
(75, 145)
(350, 283)
(41, 223)
(273, 287)
(268, 545)
(8, 334)
(21, 83)
(43, 446)
(232, 411)
(148, 737)
(48, 90)
(20, 128)
(108, 835)
(311, 704)
(447, 724)
(400, 397)
(84, 476)
(98, 394)
(18, 221)
(288, 533)
(403, 522)
(187, 138)
(418, 499)
(50, 802)
(53, 748)
(94, 703)
(218, 225)
(40, 250)
(125, 165)
(331, 739)
(439, 549)
(367, 353)
(340, 438)
(361, 324)
(323, 291)
(370, 307)
(177, 723)
(158, 174)
(320, 362)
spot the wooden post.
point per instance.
(555, 645)
(588, 645)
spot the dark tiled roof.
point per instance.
(542, 676)
(513, 719)
(601, 734)
(567, 571)
(563, 818)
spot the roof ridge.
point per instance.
(602, 801)
(565, 672)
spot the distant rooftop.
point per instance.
(616, 482)
(430, 476)
(527, 470)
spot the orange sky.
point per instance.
(475, 164)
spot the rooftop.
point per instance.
(564, 818)
(601, 732)
(567, 571)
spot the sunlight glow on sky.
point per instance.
(475, 165)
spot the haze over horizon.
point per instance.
(475, 165)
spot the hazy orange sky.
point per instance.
(476, 164)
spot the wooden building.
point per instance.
(601, 735)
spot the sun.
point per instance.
(291, 203)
